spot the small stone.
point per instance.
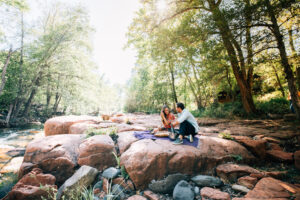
(183, 191)
(197, 190)
(118, 191)
(150, 195)
(240, 188)
(111, 173)
(209, 181)
(137, 197)
(167, 185)
(215, 194)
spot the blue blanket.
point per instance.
(146, 135)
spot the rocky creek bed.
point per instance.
(235, 159)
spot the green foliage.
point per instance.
(237, 157)
(225, 110)
(226, 136)
(274, 106)
(76, 194)
(124, 173)
(103, 131)
(8, 180)
(117, 159)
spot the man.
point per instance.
(188, 124)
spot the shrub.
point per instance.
(7, 182)
(274, 106)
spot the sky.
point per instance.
(110, 19)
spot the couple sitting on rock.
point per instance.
(188, 126)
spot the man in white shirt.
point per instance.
(188, 124)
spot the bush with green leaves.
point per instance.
(104, 131)
(8, 180)
(274, 106)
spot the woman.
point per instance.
(166, 117)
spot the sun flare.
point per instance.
(161, 5)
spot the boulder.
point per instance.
(167, 185)
(97, 151)
(207, 181)
(127, 127)
(56, 155)
(125, 139)
(62, 124)
(214, 194)
(257, 147)
(281, 156)
(111, 173)
(82, 127)
(33, 185)
(268, 188)
(126, 184)
(297, 159)
(247, 181)
(183, 191)
(230, 172)
(148, 160)
(82, 178)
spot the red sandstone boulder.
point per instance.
(29, 187)
(54, 154)
(268, 188)
(61, 125)
(257, 147)
(214, 194)
(148, 160)
(97, 152)
(118, 120)
(297, 159)
(125, 139)
(280, 156)
(247, 181)
(127, 127)
(230, 172)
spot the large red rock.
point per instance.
(56, 155)
(148, 160)
(61, 125)
(137, 197)
(31, 186)
(280, 156)
(297, 159)
(214, 194)
(127, 127)
(268, 188)
(97, 152)
(257, 147)
(230, 172)
(125, 139)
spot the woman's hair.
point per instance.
(163, 110)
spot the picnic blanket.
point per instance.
(146, 135)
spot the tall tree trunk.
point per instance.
(171, 67)
(9, 114)
(18, 100)
(284, 60)
(56, 103)
(36, 84)
(230, 45)
(4, 69)
(248, 18)
(278, 81)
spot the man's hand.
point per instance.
(175, 123)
